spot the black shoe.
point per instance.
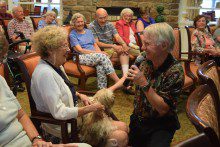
(128, 91)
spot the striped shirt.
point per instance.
(104, 33)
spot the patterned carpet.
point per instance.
(123, 108)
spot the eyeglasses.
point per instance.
(66, 46)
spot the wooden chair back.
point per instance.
(177, 46)
(208, 74)
(35, 21)
(189, 30)
(203, 109)
(5, 27)
(211, 28)
(27, 63)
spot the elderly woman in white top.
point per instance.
(51, 90)
(50, 19)
(16, 128)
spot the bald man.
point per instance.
(104, 33)
(3, 9)
(19, 24)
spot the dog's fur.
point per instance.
(97, 126)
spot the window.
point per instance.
(210, 5)
(44, 4)
(49, 4)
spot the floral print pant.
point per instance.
(103, 66)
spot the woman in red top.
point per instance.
(126, 28)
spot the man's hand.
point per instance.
(136, 76)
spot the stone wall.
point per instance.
(88, 7)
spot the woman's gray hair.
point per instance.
(48, 38)
(126, 10)
(50, 13)
(75, 16)
(161, 32)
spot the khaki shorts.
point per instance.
(112, 53)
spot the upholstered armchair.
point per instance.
(203, 109)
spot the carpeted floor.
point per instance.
(124, 106)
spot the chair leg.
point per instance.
(82, 83)
(64, 133)
(74, 131)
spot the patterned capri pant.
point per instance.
(103, 66)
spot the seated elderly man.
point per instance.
(3, 9)
(50, 19)
(158, 80)
(104, 33)
(19, 24)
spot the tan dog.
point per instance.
(97, 126)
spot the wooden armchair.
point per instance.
(74, 69)
(27, 63)
(205, 139)
(203, 109)
(35, 21)
(191, 53)
(189, 80)
(208, 74)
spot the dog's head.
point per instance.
(105, 97)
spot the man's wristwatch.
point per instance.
(146, 87)
(36, 137)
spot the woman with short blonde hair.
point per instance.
(50, 87)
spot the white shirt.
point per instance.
(51, 94)
(11, 130)
(131, 36)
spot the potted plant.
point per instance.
(160, 17)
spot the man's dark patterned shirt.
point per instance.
(167, 81)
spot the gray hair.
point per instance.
(162, 32)
(126, 10)
(75, 16)
(50, 13)
(14, 9)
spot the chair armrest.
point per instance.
(48, 118)
(78, 64)
(189, 72)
